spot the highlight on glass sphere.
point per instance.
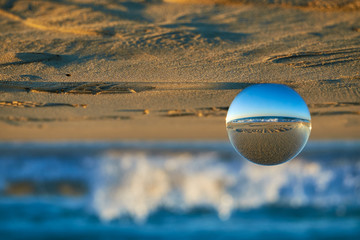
(268, 124)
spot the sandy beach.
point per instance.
(168, 70)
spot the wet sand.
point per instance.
(154, 70)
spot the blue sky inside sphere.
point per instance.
(268, 100)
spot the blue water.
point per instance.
(176, 191)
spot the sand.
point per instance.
(168, 70)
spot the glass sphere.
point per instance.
(268, 124)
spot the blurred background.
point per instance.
(177, 190)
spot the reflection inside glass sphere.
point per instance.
(268, 124)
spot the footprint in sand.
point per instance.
(29, 104)
(12, 58)
(318, 58)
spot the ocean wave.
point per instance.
(137, 183)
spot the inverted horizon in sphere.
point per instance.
(268, 119)
(268, 100)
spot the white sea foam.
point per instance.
(137, 184)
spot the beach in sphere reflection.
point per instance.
(269, 141)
